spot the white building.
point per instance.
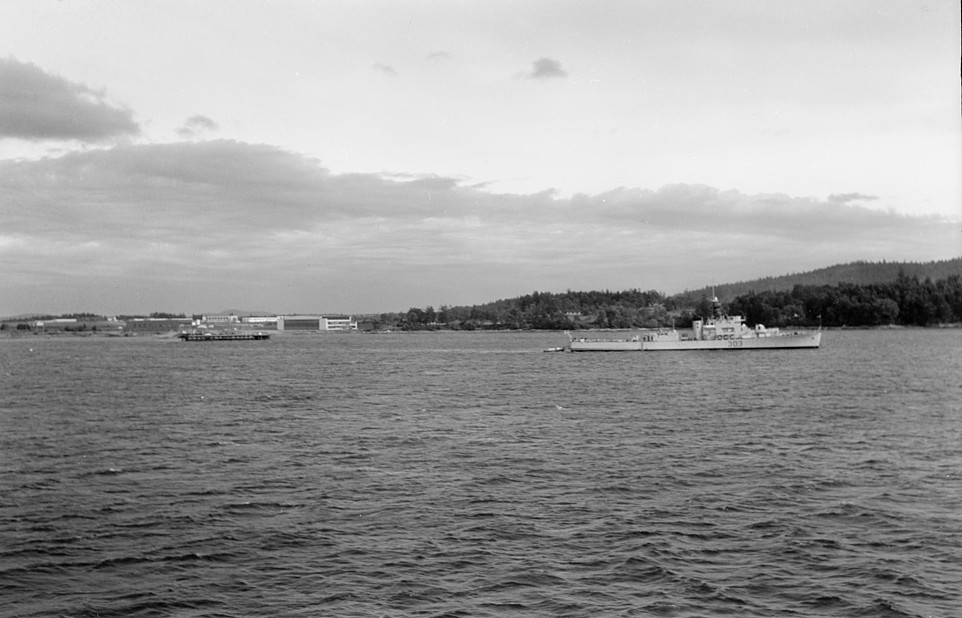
(261, 320)
(316, 322)
(220, 319)
(339, 322)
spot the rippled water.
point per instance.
(474, 475)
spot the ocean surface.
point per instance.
(473, 474)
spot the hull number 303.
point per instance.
(736, 343)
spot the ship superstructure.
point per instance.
(720, 332)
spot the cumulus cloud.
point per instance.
(191, 220)
(546, 68)
(384, 69)
(196, 126)
(36, 105)
(699, 208)
(845, 198)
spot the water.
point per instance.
(461, 474)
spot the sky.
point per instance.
(366, 157)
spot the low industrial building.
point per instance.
(139, 326)
(261, 321)
(316, 323)
(220, 319)
(56, 325)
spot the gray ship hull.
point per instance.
(777, 342)
(674, 342)
(604, 345)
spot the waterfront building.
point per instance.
(220, 319)
(156, 325)
(316, 323)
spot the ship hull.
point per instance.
(600, 345)
(777, 342)
(781, 342)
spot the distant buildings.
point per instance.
(267, 321)
(280, 322)
(159, 325)
(153, 326)
(93, 325)
(316, 323)
(223, 320)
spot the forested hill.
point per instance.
(858, 273)
(856, 294)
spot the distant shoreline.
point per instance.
(14, 334)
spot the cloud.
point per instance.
(36, 105)
(385, 69)
(699, 208)
(197, 125)
(438, 55)
(227, 223)
(845, 198)
(546, 68)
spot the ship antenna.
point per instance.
(716, 307)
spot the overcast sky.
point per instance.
(373, 156)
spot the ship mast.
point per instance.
(715, 305)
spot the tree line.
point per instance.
(853, 272)
(539, 310)
(908, 300)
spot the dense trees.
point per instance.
(863, 273)
(908, 300)
(544, 310)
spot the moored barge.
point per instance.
(223, 336)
